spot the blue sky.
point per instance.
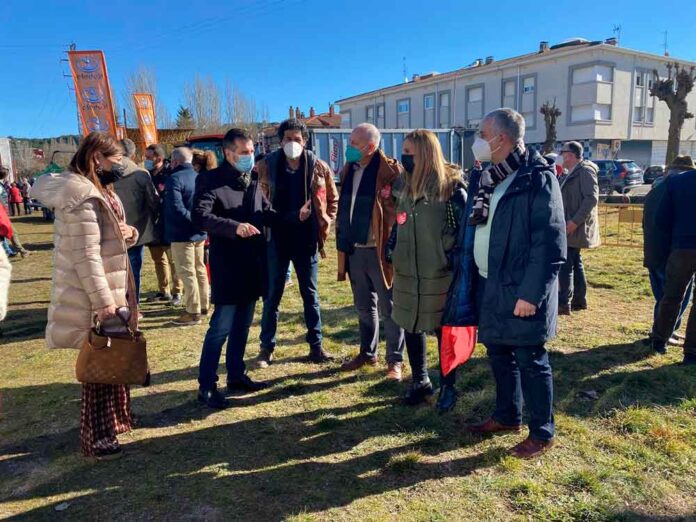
(299, 52)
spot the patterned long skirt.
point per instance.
(105, 413)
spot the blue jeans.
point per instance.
(135, 254)
(231, 323)
(307, 270)
(658, 278)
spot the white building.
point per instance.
(601, 89)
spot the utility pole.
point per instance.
(73, 47)
(617, 32)
(664, 44)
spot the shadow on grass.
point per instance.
(25, 323)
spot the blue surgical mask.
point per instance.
(245, 163)
(149, 164)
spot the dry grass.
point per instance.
(320, 445)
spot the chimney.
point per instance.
(297, 113)
(332, 111)
(416, 77)
(612, 41)
(302, 116)
(312, 113)
(479, 62)
(292, 113)
(489, 60)
(544, 47)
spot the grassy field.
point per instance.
(320, 445)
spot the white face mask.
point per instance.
(292, 150)
(481, 149)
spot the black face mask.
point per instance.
(107, 177)
(407, 162)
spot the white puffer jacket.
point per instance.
(5, 274)
(90, 261)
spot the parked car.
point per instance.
(652, 173)
(619, 175)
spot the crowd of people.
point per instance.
(420, 247)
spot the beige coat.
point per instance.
(90, 262)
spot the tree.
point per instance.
(673, 90)
(551, 114)
(144, 79)
(184, 118)
(202, 97)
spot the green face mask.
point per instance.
(352, 154)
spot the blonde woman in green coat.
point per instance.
(430, 202)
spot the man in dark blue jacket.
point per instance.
(514, 244)
(676, 217)
(186, 239)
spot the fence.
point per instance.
(621, 222)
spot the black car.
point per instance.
(619, 175)
(652, 173)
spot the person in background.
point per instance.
(232, 209)
(16, 200)
(513, 250)
(170, 285)
(429, 206)
(657, 243)
(25, 189)
(187, 240)
(366, 215)
(203, 160)
(90, 276)
(580, 190)
(13, 243)
(675, 218)
(141, 204)
(301, 189)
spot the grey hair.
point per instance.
(182, 155)
(372, 133)
(507, 121)
(128, 147)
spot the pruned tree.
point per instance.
(673, 90)
(184, 118)
(551, 114)
(202, 97)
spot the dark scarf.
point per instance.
(350, 232)
(491, 178)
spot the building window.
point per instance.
(444, 109)
(380, 116)
(403, 113)
(591, 93)
(474, 105)
(509, 93)
(346, 120)
(429, 111)
(643, 103)
(528, 102)
(370, 114)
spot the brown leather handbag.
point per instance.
(114, 354)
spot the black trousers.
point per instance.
(418, 359)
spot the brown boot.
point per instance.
(394, 371)
(490, 426)
(187, 319)
(531, 448)
(358, 362)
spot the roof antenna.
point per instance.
(617, 32)
(405, 71)
(664, 44)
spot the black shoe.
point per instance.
(447, 399)
(213, 398)
(245, 384)
(563, 309)
(319, 355)
(578, 306)
(658, 346)
(108, 454)
(418, 394)
(689, 360)
(264, 359)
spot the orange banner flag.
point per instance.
(93, 91)
(147, 119)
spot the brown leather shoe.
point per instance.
(490, 426)
(358, 362)
(394, 371)
(531, 448)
